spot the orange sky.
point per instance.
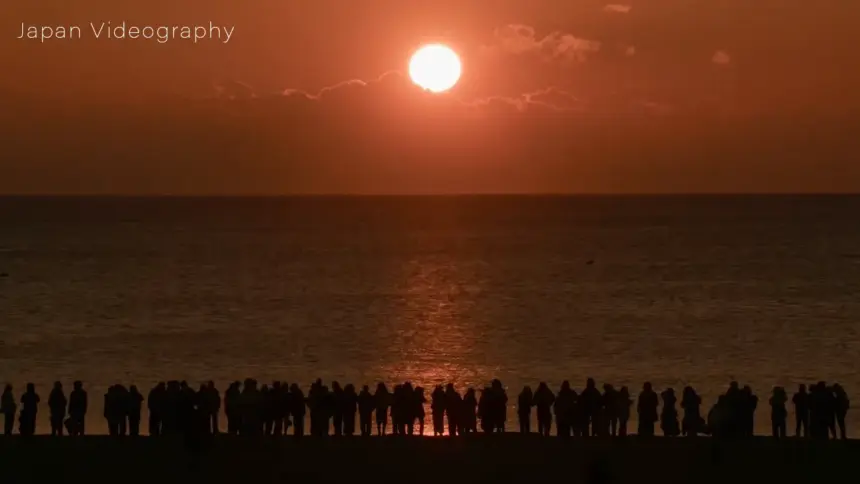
(557, 96)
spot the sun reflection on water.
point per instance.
(434, 341)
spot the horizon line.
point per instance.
(432, 195)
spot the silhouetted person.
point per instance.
(57, 403)
(396, 409)
(669, 414)
(297, 409)
(282, 407)
(733, 410)
(778, 413)
(610, 410)
(815, 419)
(134, 402)
(408, 408)
(8, 407)
(171, 401)
(251, 405)
(188, 421)
(233, 408)
(841, 406)
(116, 410)
(524, 409)
(29, 409)
(623, 402)
(349, 409)
(401, 408)
(419, 414)
(122, 402)
(691, 402)
(267, 409)
(437, 409)
(287, 405)
(475, 408)
(544, 400)
(749, 404)
(78, 403)
(208, 405)
(275, 410)
(830, 406)
(579, 417)
(484, 411)
(499, 405)
(453, 409)
(821, 411)
(564, 406)
(155, 404)
(366, 404)
(647, 410)
(382, 397)
(801, 411)
(213, 406)
(323, 406)
(720, 418)
(313, 404)
(337, 405)
(590, 403)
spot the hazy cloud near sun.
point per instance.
(518, 39)
(550, 99)
(393, 86)
(721, 57)
(617, 8)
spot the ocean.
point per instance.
(676, 290)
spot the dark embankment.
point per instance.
(481, 459)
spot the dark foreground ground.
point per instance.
(481, 459)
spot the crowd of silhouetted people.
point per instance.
(253, 410)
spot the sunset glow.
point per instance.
(435, 68)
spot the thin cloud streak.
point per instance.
(340, 85)
(617, 8)
(551, 98)
(548, 98)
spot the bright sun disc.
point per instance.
(435, 67)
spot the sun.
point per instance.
(435, 67)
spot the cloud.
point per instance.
(721, 57)
(518, 39)
(565, 127)
(234, 90)
(617, 8)
(394, 88)
(384, 135)
(550, 99)
(328, 90)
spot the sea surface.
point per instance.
(675, 290)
